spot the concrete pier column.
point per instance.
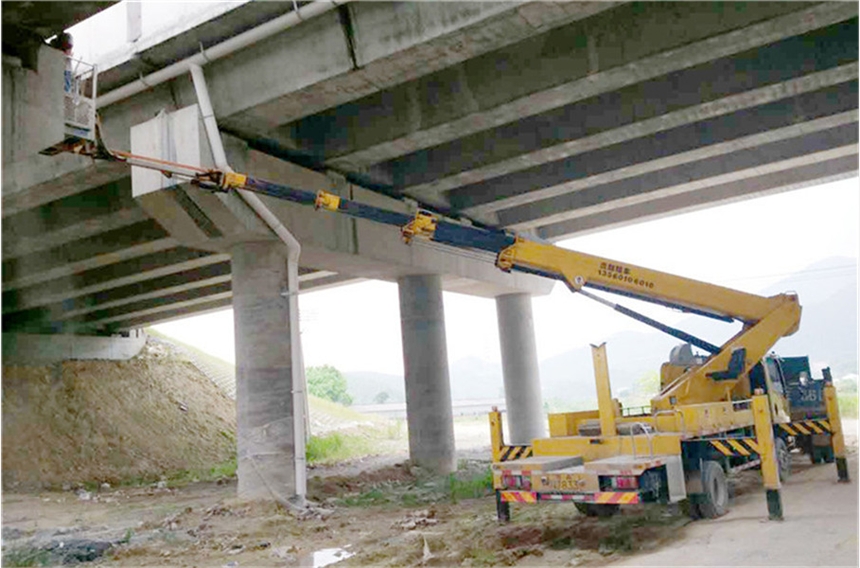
(425, 360)
(265, 409)
(520, 368)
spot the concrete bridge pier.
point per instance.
(265, 409)
(520, 368)
(425, 360)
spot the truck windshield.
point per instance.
(775, 375)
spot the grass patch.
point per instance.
(336, 447)
(27, 557)
(471, 486)
(471, 481)
(847, 405)
(224, 470)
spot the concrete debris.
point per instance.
(310, 512)
(415, 519)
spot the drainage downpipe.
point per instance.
(218, 51)
(300, 403)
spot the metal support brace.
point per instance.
(837, 439)
(767, 451)
(497, 440)
(605, 405)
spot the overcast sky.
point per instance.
(747, 245)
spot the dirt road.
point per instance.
(820, 526)
(379, 514)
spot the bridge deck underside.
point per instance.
(554, 119)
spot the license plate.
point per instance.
(569, 482)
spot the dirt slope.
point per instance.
(82, 421)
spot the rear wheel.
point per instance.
(715, 502)
(596, 509)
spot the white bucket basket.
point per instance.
(79, 99)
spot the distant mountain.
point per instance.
(364, 386)
(475, 378)
(828, 335)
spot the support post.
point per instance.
(605, 406)
(270, 443)
(497, 439)
(767, 451)
(425, 360)
(520, 368)
(837, 438)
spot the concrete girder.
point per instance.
(735, 166)
(103, 249)
(743, 129)
(606, 52)
(71, 218)
(123, 273)
(171, 315)
(175, 300)
(42, 179)
(391, 43)
(164, 286)
(23, 246)
(172, 312)
(642, 109)
(172, 300)
(483, 207)
(780, 181)
(370, 250)
(101, 318)
(779, 120)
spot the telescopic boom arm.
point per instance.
(765, 319)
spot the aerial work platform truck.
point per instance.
(736, 407)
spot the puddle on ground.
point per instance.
(325, 557)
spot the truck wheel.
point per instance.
(783, 459)
(716, 496)
(596, 509)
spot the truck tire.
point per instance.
(716, 496)
(596, 509)
(783, 459)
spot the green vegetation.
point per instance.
(470, 487)
(328, 383)
(643, 390)
(27, 557)
(381, 397)
(336, 447)
(846, 392)
(472, 480)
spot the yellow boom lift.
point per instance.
(726, 411)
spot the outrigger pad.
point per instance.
(842, 470)
(774, 505)
(736, 366)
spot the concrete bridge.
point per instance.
(549, 118)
